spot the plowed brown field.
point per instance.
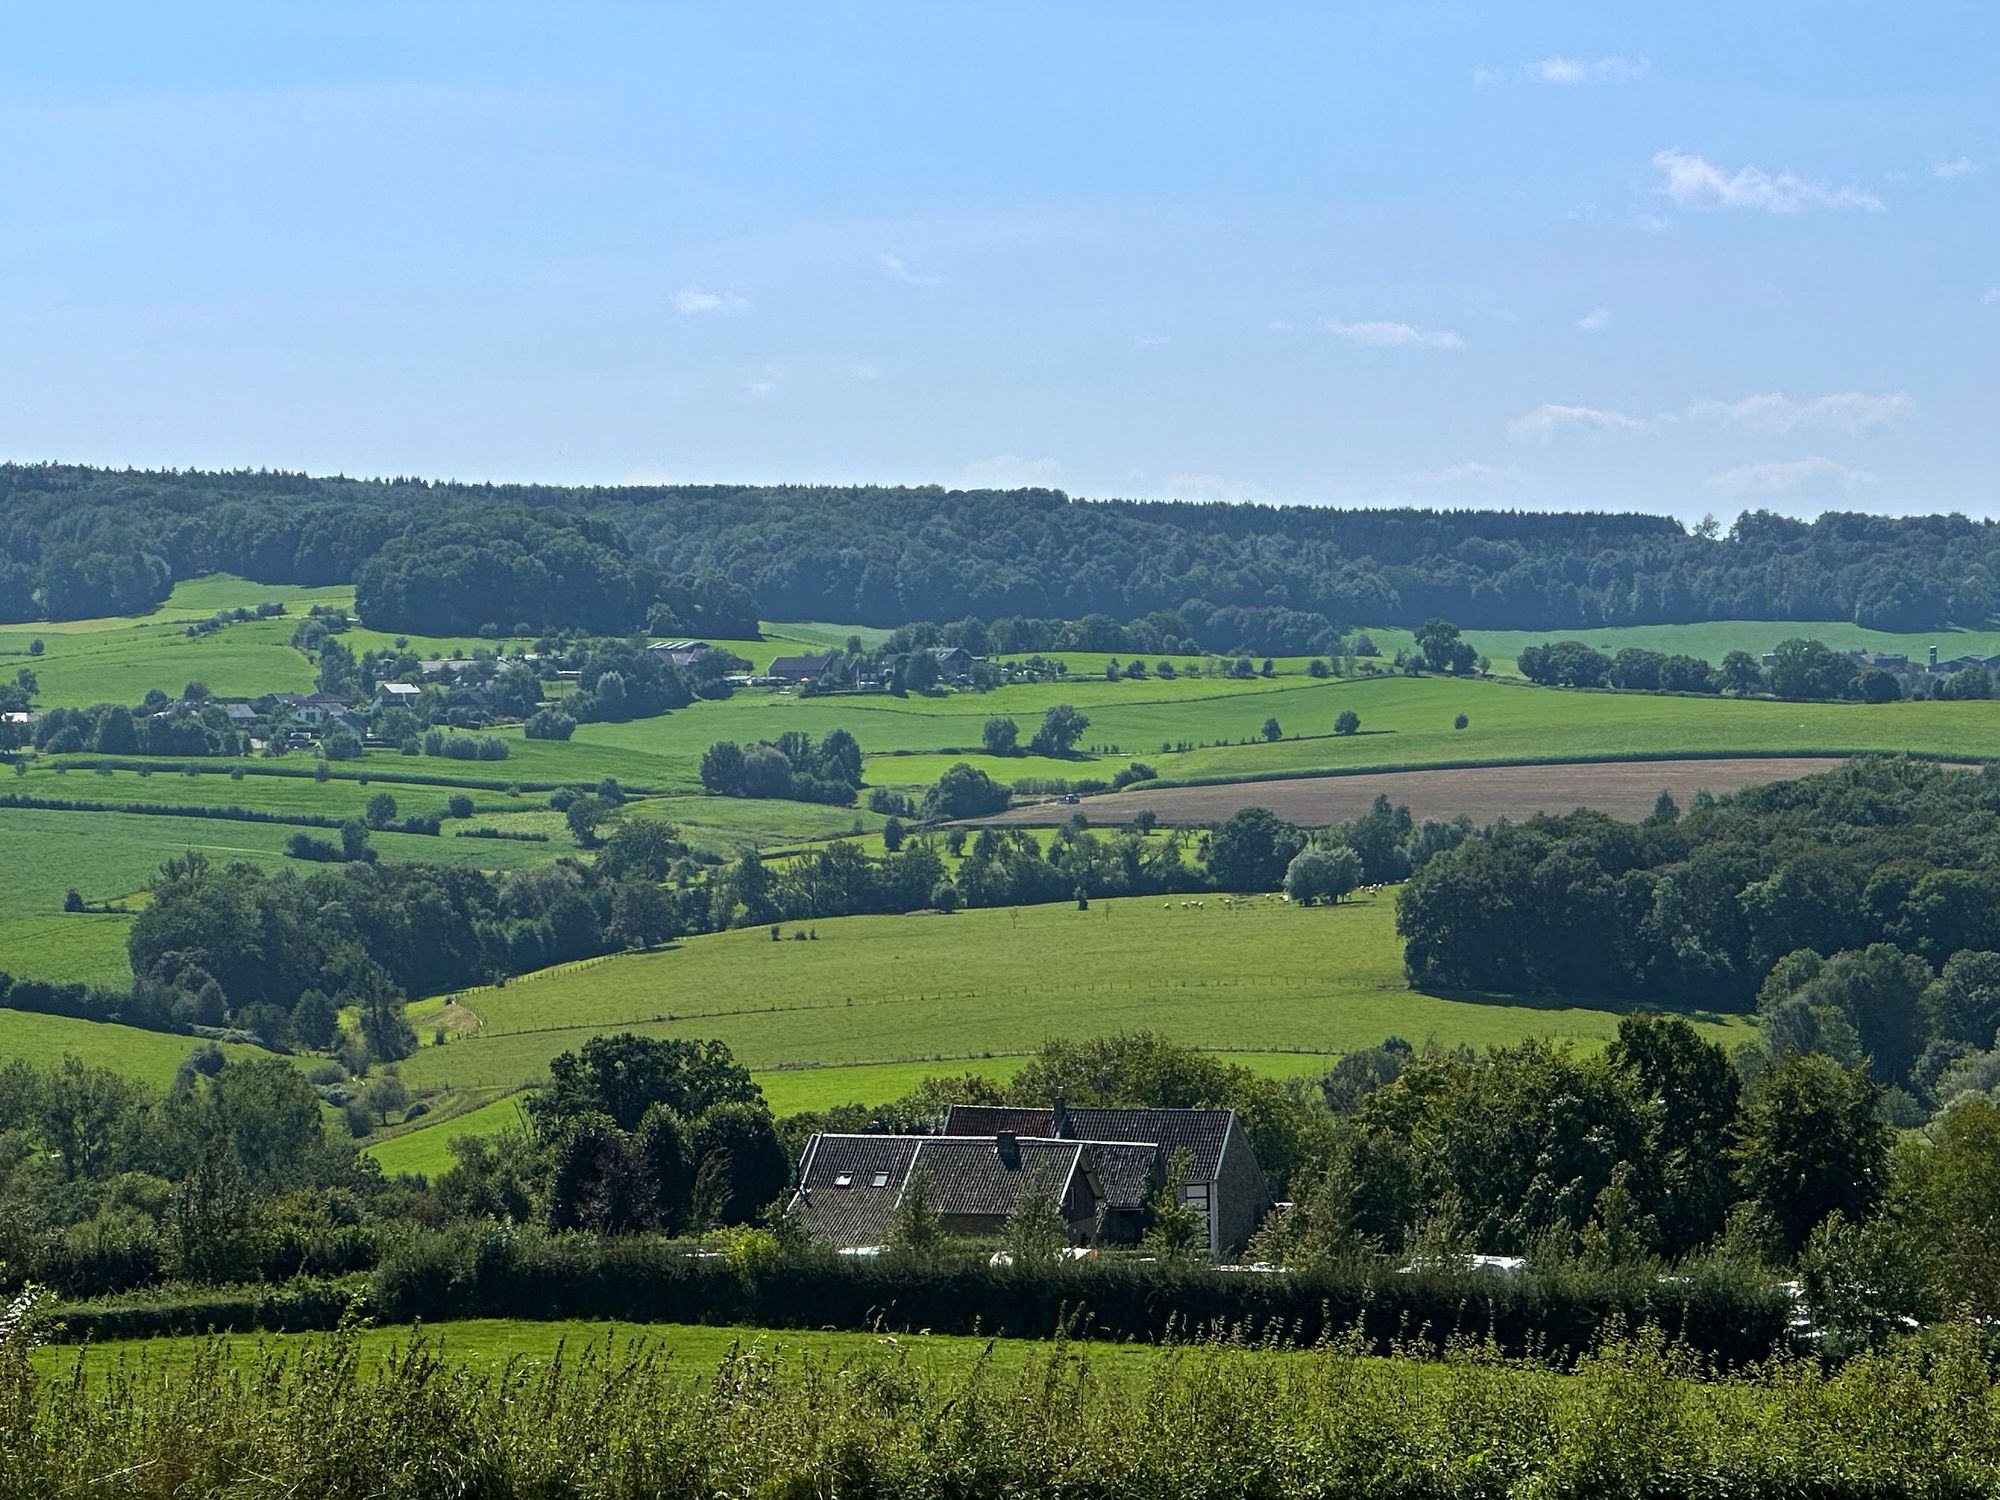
(1625, 789)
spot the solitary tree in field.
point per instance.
(1001, 735)
(1316, 875)
(381, 810)
(1347, 721)
(1062, 727)
(1271, 730)
(1460, 722)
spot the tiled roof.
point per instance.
(991, 1119)
(859, 1212)
(1124, 1170)
(966, 1175)
(1199, 1132)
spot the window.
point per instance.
(881, 1179)
(845, 1179)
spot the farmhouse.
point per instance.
(796, 669)
(1224, 1183)
(954, 662)
(396, 695)
(850, 1185)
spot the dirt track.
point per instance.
(1625, 789)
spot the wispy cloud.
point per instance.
(1595, 321)
(1461, 475)
(1150, 341)
(1006, 471)
(766, 382)
(1571, 71)
(1774, 411)
(692, 302)
(1959, 166)
(897, 267)
(1788, 477)
(1385, 335)
(1990, 296)
(1549, 419)
(863, 369)
(1279, 325)
(1695, 182)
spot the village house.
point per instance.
(1102, 1167)
(1223, 1184)
(849, 1186)
(396, 695)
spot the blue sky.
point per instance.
(1696, 259)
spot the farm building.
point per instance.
(1224, 1183)
(680, 653)
(801, 668)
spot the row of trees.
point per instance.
(792, 765)
(1801, 667)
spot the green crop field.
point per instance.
(426, 1152)
(954, 991)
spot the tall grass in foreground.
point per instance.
(625, 1419)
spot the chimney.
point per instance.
(1059, 1119)
(1008, 1145)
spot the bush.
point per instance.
(1347, 721)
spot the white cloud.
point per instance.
(1471, 473)
(765, 382)
(1695, 182)
(1788, 477)
(898, 268)
(1577, 70)
(864, 370)
(1962, 166)
(1279, 325)
(1545, 421)
(1774, 411)
(1595, 321)
(1384, 335)
(692, 302)
(1204, 488)
(1006, 471)
(1150, 341)
(1990, 296)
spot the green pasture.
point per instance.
(426, 1151)
(149, 1056)
(1407, 722)
(488, 1345)
(951, 992)
(113, 856)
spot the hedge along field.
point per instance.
(336, 797)
(1714, 639)
(1263, 977)
(152, 1057)
(427, 1151)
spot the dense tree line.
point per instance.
(1858, 910)
(793, 765)
(451, 558)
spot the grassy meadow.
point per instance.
(152, 1057)
(948, 994)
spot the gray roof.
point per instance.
(1124, 1171)
(858, 1212)
(801, 666)
(965, 1175)
(1199, 1132)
